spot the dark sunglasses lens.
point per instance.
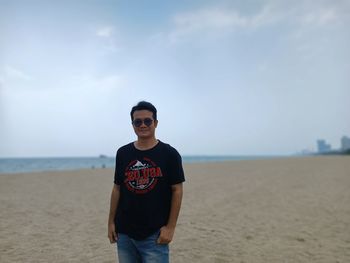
(137, 122)
(148, 122)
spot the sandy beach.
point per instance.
(280, 210)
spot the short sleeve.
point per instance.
(118, 169)
(176, 172)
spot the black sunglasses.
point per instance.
(138, 122)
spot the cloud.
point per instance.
(14, 73)
(219, 19)
(305, 15)
(94, 83)
(10, 75)
(214, 18)
(320, 17)
(109, 39)
(187, 24)
(298, 14)
(105, 32)
(315, 27)
(109, 82)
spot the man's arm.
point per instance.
(167, 231)
(112, 235)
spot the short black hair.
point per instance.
(144, 105)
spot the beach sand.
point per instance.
(280, 210)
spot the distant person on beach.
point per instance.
(147, 193)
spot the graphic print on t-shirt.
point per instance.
(142, 176)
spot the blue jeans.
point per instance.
(146, 251)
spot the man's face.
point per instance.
(143, 123)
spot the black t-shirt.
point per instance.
(145, 179)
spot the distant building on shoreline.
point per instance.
(323, 147)
(345, 143)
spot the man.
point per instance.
(147, 193)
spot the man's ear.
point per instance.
(155, 123)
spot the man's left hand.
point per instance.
(166, 235)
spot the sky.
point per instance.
(255, 77)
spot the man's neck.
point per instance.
(145, 144)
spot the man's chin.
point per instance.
(144, 136)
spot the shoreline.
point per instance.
(196, 160)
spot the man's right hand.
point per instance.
(112, 235)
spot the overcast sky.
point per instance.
(228, 77)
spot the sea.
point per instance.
(27, 165)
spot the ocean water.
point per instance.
(25, 165)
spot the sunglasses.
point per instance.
(138, 122)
